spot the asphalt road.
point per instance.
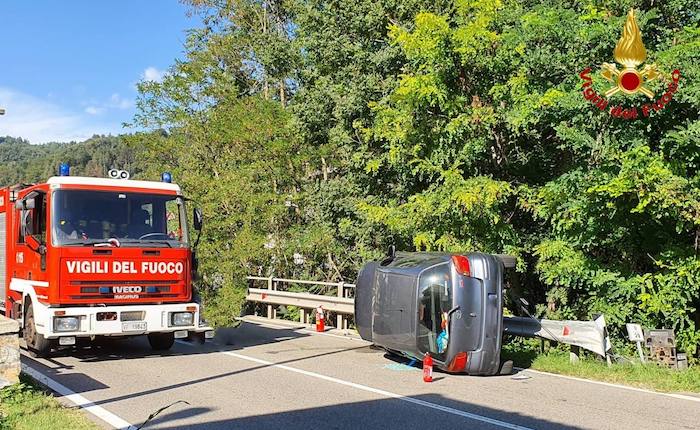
(265, 377)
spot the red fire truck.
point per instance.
(90, 257)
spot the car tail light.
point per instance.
(459, 363)
(461, 264)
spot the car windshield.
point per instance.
(91, 218)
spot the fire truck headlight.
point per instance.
(66, 324)
(181, 318)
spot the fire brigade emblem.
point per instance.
(630, 53)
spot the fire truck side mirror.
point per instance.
(198, 219)
(35, 245)
(26, 204)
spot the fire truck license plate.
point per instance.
(134, 326)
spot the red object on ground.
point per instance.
(320, 320)
(427, 368)
(566, 331)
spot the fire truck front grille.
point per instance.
(120, 290)
(111, 283)
(149, 289)
(111, 296)
(132, 315)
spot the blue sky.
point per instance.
(68, 68)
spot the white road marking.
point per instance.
(609, 384)
(77, 399)
(573, 378)
(389, 394)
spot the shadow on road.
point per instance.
(390, 413)
(58, 366)
(382, 413)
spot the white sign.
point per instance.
(635, 332)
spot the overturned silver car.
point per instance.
(447, 305)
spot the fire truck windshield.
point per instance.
(86, 217)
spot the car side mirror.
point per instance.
(198, 219)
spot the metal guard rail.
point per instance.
(339, 304)
(343, 305)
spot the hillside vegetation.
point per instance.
(23, 162)
(332, 129)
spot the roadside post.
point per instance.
(636, 334)
(341, 293)
(270, 313)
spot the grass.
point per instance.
(25, 406)
(649, 376)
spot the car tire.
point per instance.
(37, 344)
(161, 341)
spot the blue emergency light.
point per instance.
(166, 177)
(64, 169)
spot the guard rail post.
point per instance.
(341, 293)
(269, 307)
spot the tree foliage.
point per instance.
(21, 161)
(314, 133)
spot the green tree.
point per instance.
(489, 123)
(333, 129)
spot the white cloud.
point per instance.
(115, 101)
(93, 110)
(153, 74)
(41, 121)
(119, 102)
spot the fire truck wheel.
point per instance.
(37, 345)
(161, 341)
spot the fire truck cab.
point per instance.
(88, 257)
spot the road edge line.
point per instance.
(610, 384)
(77, 399)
